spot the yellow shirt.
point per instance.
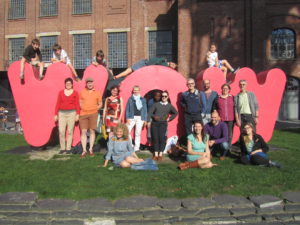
(244, 104)
(89, 101)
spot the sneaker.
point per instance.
(62, 152)
(77, 79)
(92, 154)
(222, 158)
(275, 164)
(68, 152)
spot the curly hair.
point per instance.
(123, 127)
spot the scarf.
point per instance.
(138, 101)
(164, 103)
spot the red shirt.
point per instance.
(225, 108)
(67, 102)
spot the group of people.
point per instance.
(208, 117)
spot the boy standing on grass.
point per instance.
(32, 55)
(60, 55)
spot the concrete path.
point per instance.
(18, 208)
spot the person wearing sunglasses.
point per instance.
(246, 106)
(160, 114)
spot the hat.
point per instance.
(89, 79)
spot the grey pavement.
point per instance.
(18, 208)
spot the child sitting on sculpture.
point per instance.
(147, 62)
(33, 56)
(214, 61)
(60, 55)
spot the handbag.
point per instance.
(104, 134)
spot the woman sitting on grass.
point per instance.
(120, 149)
(197, 147)
(254, 148)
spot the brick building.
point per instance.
(261, 34)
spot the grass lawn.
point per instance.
(81, 179)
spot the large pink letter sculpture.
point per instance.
(268, 87)
(36, 100)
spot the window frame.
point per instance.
(48, 15)
(11, 9)
(10, 57)
(89, 57)
(110, 56)
(82, 13)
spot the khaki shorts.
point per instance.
(88, 121)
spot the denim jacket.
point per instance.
(130, 109)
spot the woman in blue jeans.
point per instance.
(253, 148)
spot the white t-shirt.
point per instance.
(211, 58)
(62, 55)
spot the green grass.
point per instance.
(81, 179)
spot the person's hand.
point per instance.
(55, 118)
(238, 123)
(211, 143)
(76, 118)
(145, 124)
(256, 120)
(95, 63)
(128, 122)
(148, 124)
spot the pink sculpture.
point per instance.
(35, 100)
(268, 87)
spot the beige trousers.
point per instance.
(66, 120)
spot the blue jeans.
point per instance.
(221, 148)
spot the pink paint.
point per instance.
(35, 100)
(268, 87)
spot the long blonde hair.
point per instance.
(123, 127)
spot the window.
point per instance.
(15, 49)
(82, 6)
(82, 50)
(117, 50)
(161, 44)
(46, 47)
(283, 44)
(17, 9)
(48, 8)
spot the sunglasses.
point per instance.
(190, 83)
(164, 96)
(243, 84)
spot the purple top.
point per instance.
(218, 133)
(225, 108)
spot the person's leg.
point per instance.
(73, 71)
(188, 123)
(62, 123)
(227, 64)
(23, 60)
(138, 130)
(133, 160)
(155, 137)
(92, 140)
(130, 126)
(187, 165)
(162, 137)
(124, 164)
(83, 140)
(70, 123)
(124, 73)
(230, 131)
(245, 159)
(224, 70)
(41, 65)
(259, 159)
(224, 147)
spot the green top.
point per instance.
(196, 146)
(157, 61)
(244, 104)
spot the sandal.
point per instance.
(83, 155)
(92, 154)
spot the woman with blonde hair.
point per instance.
(120, 149)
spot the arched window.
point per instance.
(283, 44)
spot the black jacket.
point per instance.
(259, 143)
